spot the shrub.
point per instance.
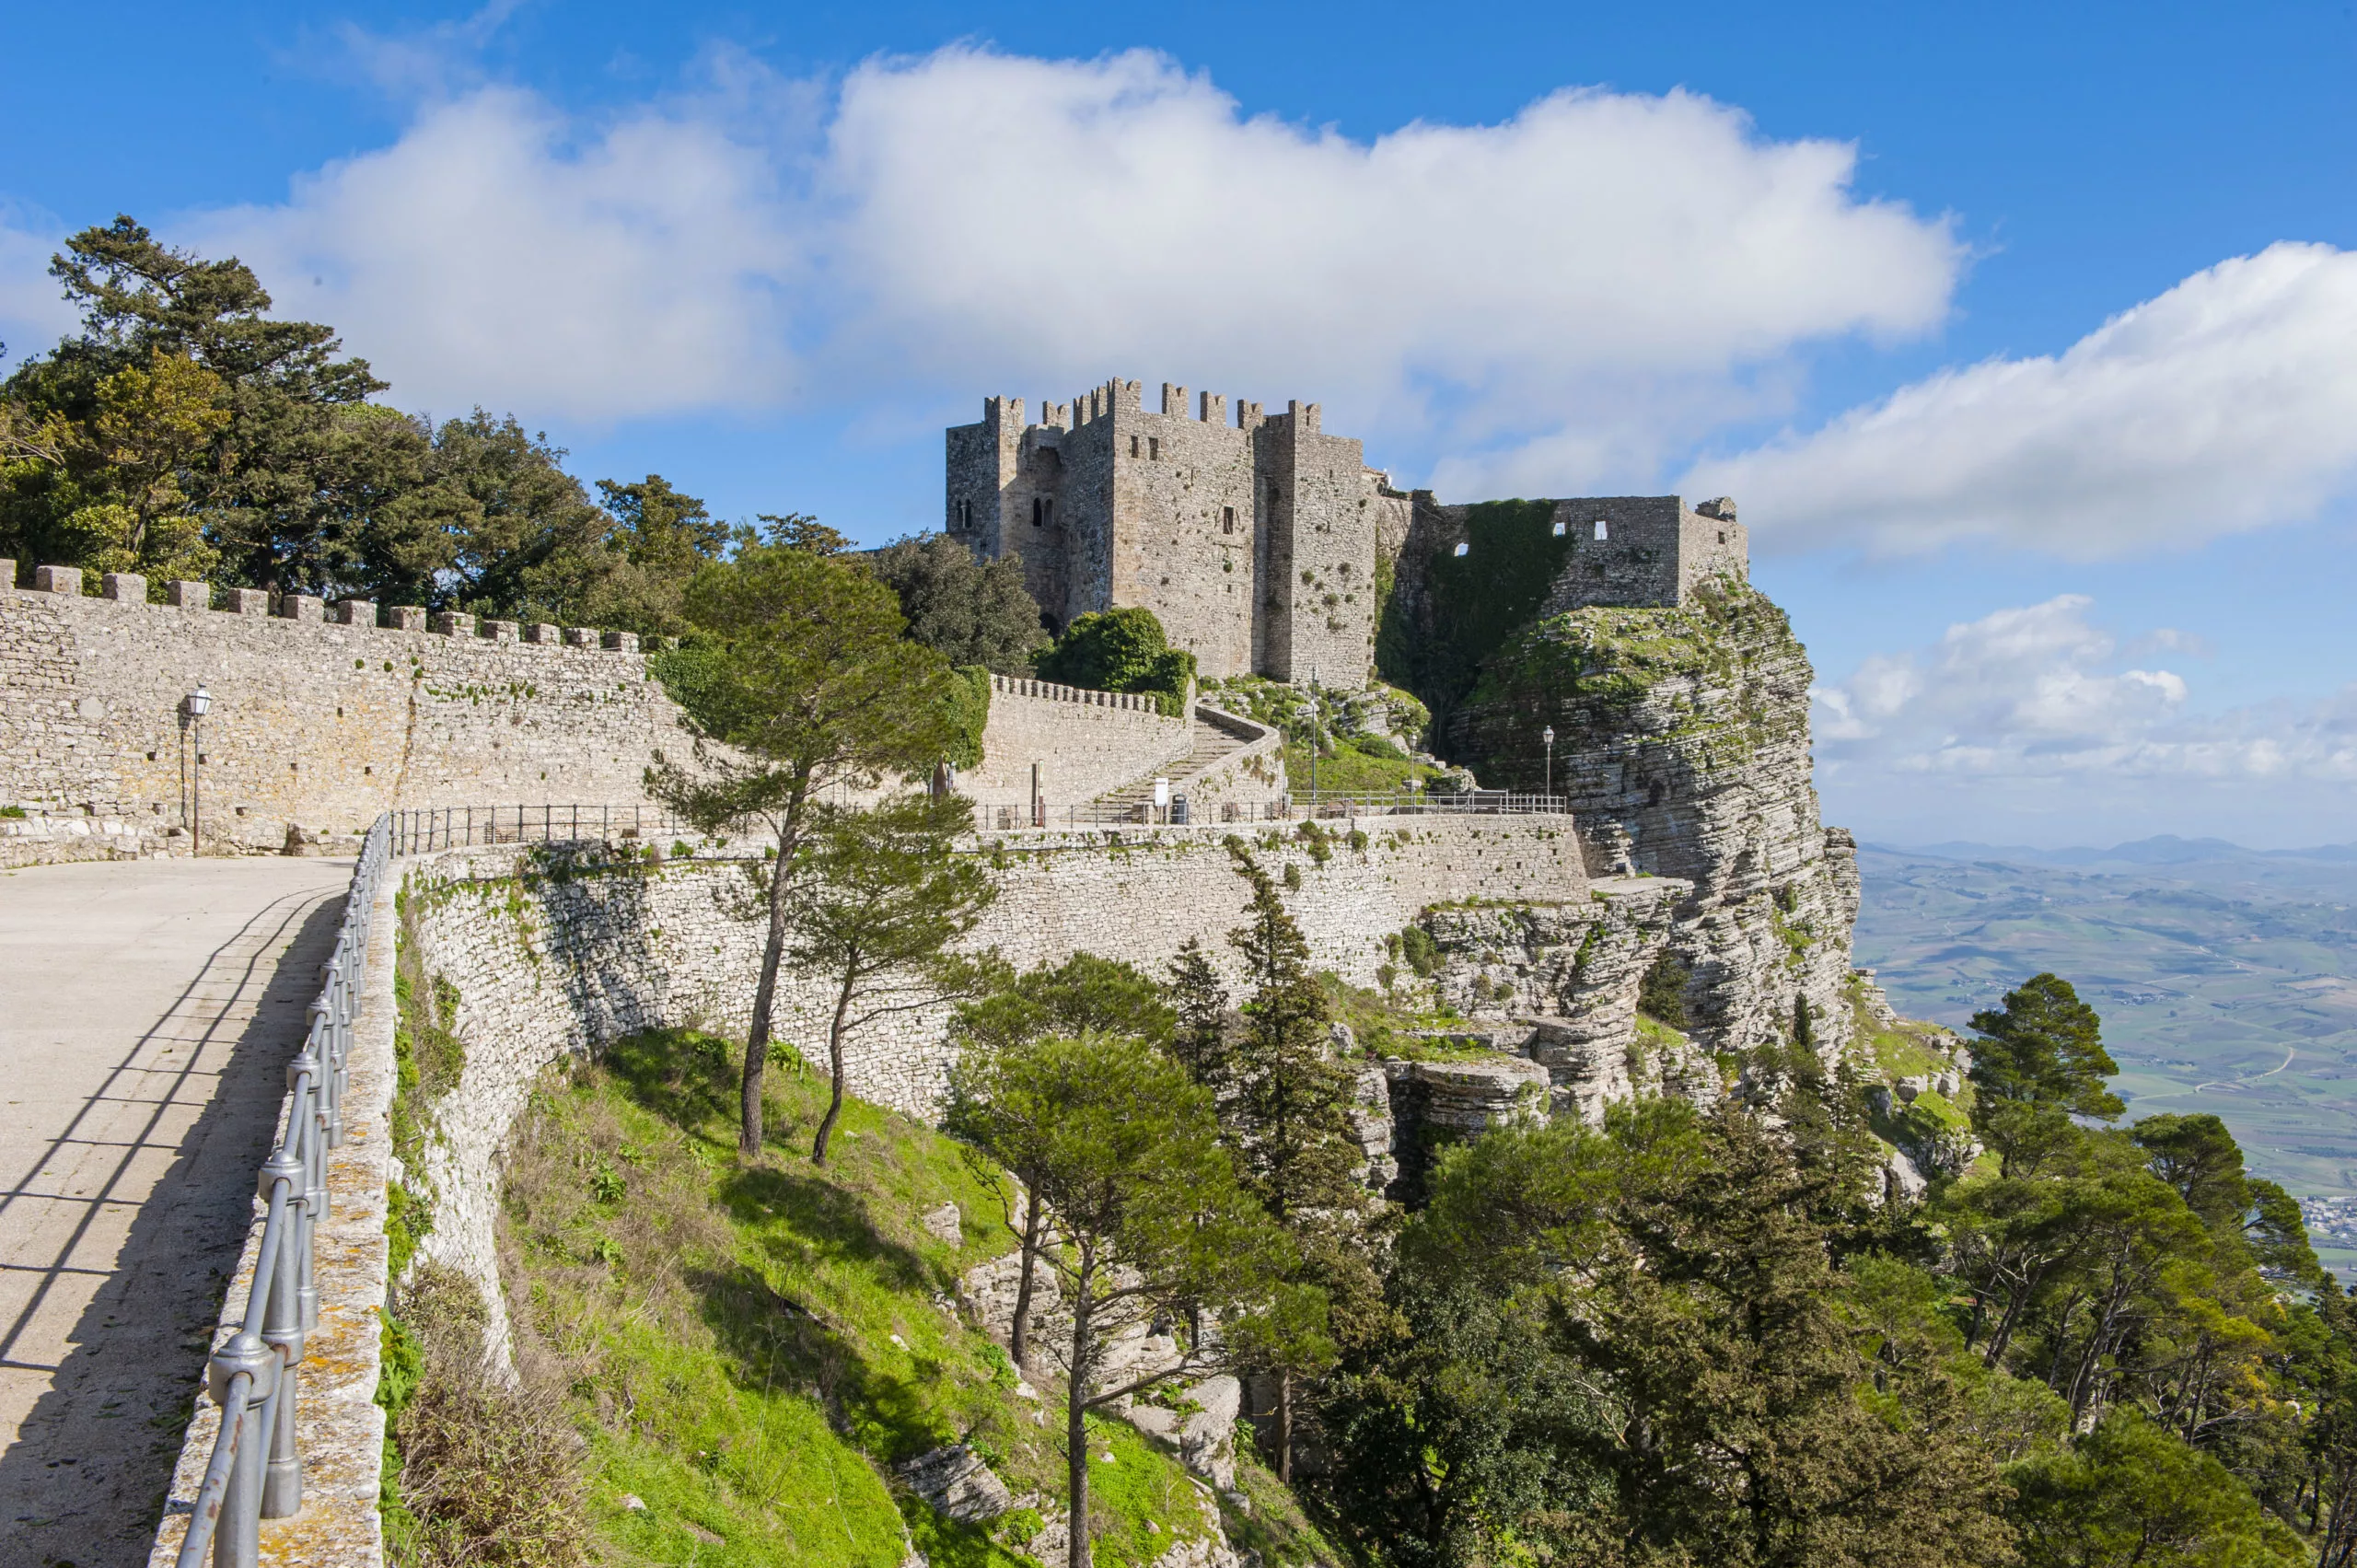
(488, 1473)
(1121, 650)
(1661, 995)
(1418, 948)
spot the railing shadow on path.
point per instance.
(94, 1459)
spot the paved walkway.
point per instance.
(147, 1011)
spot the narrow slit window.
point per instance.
(1039, 512)
(1134, 446)
(1154, 448)
(1228, 519)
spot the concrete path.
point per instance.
(147, 1011)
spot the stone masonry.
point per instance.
(321, 718)
(1258, 542)
(552, 966)
(319, 721)
(1082, 742)
(1253, 540)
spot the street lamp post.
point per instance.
(199, 702)
(1313, 740)
(1547, 736)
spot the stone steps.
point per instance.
(1212, 745)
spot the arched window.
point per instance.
(1039, 512)
(1601, 530)
(1228, 519)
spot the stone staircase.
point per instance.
(1134, 800)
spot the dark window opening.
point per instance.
(1134, 446)
(1722, 536)
(1039, 512)
(1228, 519)
(1154, 448)
(1654, 791)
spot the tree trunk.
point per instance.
(757, 1042)
(1076, 1420)
(835, 1061)
(1284, 1427)
(1020, 1337)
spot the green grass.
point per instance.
(748, 1349)
(1345, 768)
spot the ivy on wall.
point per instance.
(1476, 600)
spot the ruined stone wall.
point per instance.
(313, 723)
(1084, 743)
(1656, 551)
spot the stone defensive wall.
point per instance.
(321, 718)
(556, 950)
(1083, 742)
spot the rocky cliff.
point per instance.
(1682, 741)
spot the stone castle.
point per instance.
(1259, 542)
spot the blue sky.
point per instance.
(1853, 264)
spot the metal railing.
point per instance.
(459, 827)
(256, 1471)
(1305, 805)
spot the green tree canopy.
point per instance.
(804, 682)
(970, 611)
(879, 896)
(1119, 650)
(1083, 995)
(2043, 1045)
(1124, 1150)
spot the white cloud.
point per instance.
(488, 257)
(2227, 403)
(1568, 285)
(2034, 713)
(1028, 218)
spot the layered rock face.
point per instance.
(1682, 741)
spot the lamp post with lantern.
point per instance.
(1548, 737)
(199, 702)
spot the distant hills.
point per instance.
(2226, 976)
(2166, 849)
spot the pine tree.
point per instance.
(1200, 1042)
(1289, 1117)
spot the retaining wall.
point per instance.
(554, 953)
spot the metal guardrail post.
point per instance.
(256, 1470)
(284, 1176)
(238, 1512)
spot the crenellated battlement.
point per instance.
(131, 588)
(319, 715)
(1049, 692)
(1258, 539)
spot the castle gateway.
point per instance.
(1255, 542)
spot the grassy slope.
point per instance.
(748, 1351)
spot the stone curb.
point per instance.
(343, 1430)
